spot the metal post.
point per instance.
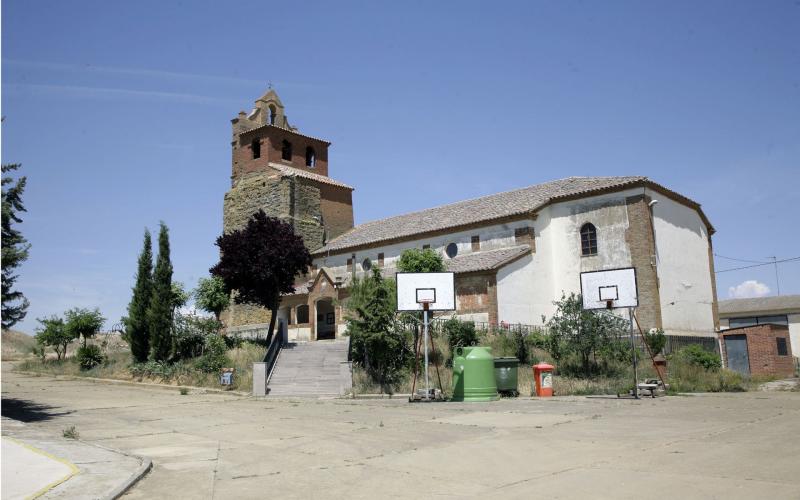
(425, 338)
(633, 354)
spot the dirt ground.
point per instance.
(224, 446)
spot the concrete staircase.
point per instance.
(312, 369)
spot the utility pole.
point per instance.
(777, 280)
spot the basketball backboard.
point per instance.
(609, 289)
(416, 289)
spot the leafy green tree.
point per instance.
(162, 301)
(53, 333)
(137, 328)
(375, 343)
(415, 260)
(585, 333)
(656, 341)
(260, 262)
(212, 296)
(83, 323)
(15, 248)
(179, 296)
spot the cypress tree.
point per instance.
(160, 311)
(137, 329)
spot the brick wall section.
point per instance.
(477, 293)
(639, 237)
(714, 301)
(271, 144)
(336, 205)
(762, 349)
(525, 236)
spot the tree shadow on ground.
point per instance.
(27, 411)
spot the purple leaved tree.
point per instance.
(260, 262)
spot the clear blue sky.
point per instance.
(120, 114)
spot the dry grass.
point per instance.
(118, 367)
(17, 345)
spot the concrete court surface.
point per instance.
(29, 471)
(224, 446)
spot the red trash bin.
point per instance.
(543, 378)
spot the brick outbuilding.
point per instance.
(758, 350)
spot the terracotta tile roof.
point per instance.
(488, 208)
(486, 260)
(780, 303)
(287, 171)
(261, 127)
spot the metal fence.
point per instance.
(673, 344)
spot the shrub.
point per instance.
(155, 369)
(695, 355)
(89, 356)
(190, 333)
(656, 340)
(214, 358)
(71, 433)
(459, 334)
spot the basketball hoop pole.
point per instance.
(633, 354)
(425, 340)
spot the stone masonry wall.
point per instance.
(289, 199)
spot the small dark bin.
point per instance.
(505, 373)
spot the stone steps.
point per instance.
(311, 369)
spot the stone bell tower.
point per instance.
(276, 168)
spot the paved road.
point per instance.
(222, 446)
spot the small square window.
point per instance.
(349, 265)
(476, 243)
(380, 260)
(425, 247)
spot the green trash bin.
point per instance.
(473, 375)
(505, 373)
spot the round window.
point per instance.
(451, 250)
(366, 264)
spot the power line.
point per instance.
(744, 260)
(759, 265)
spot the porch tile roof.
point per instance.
(486, 260)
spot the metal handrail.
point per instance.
(275, 346)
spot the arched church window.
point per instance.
(302, 314)
(311, 157)
(286, 150)
(256, 147)
(451, 250)
(272, 114)
(588, 239)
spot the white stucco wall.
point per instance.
(683, 268)
(492, 237)
(794, 333)
(527, 287)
